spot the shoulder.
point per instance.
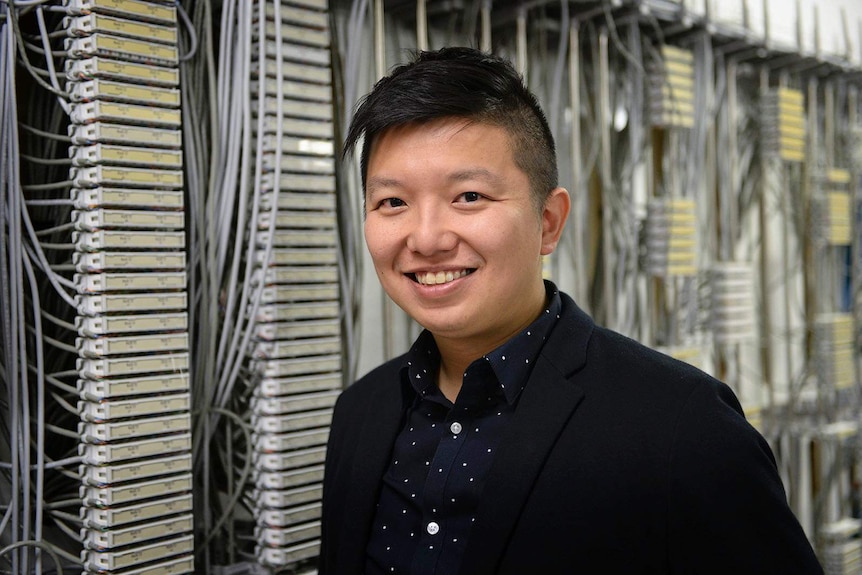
(382, 376)
(632, 389)
(358, 398)
(619, 365)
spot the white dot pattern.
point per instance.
(440, 461)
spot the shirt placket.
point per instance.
(437, 499)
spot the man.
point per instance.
(517, 437)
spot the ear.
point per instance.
(554, 216)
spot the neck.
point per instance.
(456, 354)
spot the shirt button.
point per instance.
(455, 428)
(433, 528)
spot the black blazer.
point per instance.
(618, 459)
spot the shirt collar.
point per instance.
(511, 362)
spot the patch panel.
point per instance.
(124, 303)
(276, 556)
(303, 348)
(302, 146)
(123, 92)
(290, 330)
(733, 313)
(127, 282)
(177, 566)
(113, 176)
(297, 108)
(98, 390)
(287, 13)
(133, 349)
(101, 218)
(106, 453)
(121, 112)
(294, 52)
(165, 13)
(294, 89)
(103, 540)
(298, 366)
(289, 535)
(671, 88)
(300, 182)
(117, 324)
(299, 293)
(104, 45)
(101, 132)
(294, 34)
(286, 200)
(297, 257)
(297, 220)
(307, 128)
(293, 395)
(149, 406)
(288, 517)
(783, 111)
(93, 432)
(833, 343)
(292, 404)
(270, 387)
(267, 443)
(289, 460)
(102, 239)
(298, 238)
(127, 156)
(292, 312)
(119, 559)
(300, 275)
(95, 23)
(94, 262)
(832, 209)
(282, 423)
(671, 237)
(123, 366)
(297, 275)
(300, 164)
(88, 68)
(291, 478)
(108, 474)
(300, 72)
(109, 496)
(102, 346)
(92, 198)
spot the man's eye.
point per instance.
(392, 203)
(471, 196)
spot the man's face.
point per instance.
(453, 232)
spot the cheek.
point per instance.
(381, 245)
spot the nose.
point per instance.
(432, 233)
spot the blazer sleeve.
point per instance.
(332, 496)
(728, 510)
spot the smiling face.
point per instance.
(454, 233)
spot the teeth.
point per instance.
(432, 278)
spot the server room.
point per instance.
(235, 234)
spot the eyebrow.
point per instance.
(377, 183)
(474, 174)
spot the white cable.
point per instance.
(49, 58)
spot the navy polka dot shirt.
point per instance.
(442, 455)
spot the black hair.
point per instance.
(464, 83)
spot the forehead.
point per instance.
(442, 141)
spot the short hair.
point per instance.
(463, 83)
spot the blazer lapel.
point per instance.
(546, 405)
(370, 460)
